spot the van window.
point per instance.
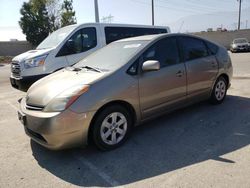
(117, 33)
(165, 51)
(81, 41)
(193, 48)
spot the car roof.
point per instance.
(240, 39)
(157, 36)
(122, 25)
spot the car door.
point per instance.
(167, 86)
(201, 66)
(79, 45)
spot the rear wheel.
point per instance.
(111, 127)
(219, 91)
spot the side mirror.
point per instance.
(151, 65)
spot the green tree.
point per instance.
(35, 22)
(41, 17)
(68, 14)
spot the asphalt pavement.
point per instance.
(199, 146)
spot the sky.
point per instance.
(180, 15)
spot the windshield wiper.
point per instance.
(92, 68)
(76, 69)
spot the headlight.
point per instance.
(35, 62)
(66, 98)
(234, 45)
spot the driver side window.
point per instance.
(76, 43)
(81, 41)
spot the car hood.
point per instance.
(47, 88)
(31, 54)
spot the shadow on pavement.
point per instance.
(177, 140)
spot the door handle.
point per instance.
(179, 74)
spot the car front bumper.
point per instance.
(240, 49)
(55, 130)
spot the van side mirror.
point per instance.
(67, 49)
(150, 65)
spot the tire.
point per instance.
(219, 91)
(107, 132)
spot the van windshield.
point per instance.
(112, 56)
(56, 37)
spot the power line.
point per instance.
(167, 7)
(193, 5)
(185, 6)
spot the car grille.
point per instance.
(15, 69)
(33, 107)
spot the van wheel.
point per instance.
(219, 91)
(111, 127)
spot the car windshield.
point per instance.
(240, 41)
(113, 56)
(56, 37)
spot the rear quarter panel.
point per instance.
(224, 63)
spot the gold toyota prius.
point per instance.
(106, 94)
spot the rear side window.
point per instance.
(165, 51)
(81, 41)
(117, 33)
(212, 48)
(193, 48)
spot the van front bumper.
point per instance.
(23, 83)
(56, 130)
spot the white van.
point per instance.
(68, 45)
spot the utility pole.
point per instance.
(240, 1)
(153, 16)
(96, 12)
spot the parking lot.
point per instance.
(199, 146)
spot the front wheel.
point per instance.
(111, 127)
(219, 91)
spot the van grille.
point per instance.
(15, 69)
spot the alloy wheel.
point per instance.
(220, 90)
(113, 128)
